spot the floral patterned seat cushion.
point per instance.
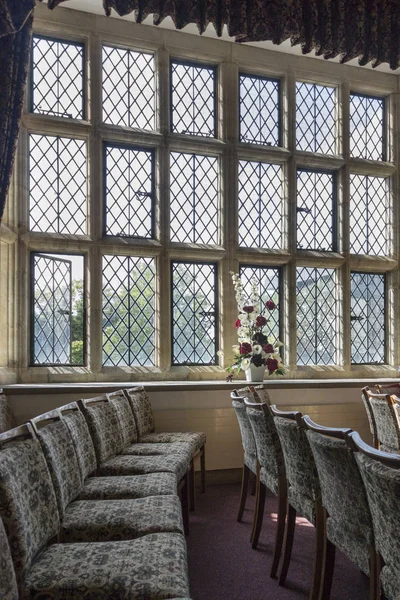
(7, 419)
(28, 504)
(141, 408)
(343, 496)
(382, 485)
(83, 442)
(126, 420)
(104, 428)
(196, 439)
(269, 451)
(8, 582)
(139, 465)
(111, 520)
(153, 566)
(134, 486)
(158, 449)
(246, 432)
(59, 451)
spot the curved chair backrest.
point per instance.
(269, 450)
(7, 419)
(381, 475)
(102, 419)
(126, 417)
(349, 524)
(141, 408)
(393, 389)
(246, 432)
(370, 416)
(387, 418)
(81, 438)
(255, 393)
(301, 472)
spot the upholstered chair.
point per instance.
(386, 411)
(272, 474)
(146, 432)
(109, 488)
(348, 523)
(380, 472)
(7, 419)
(93, 520)
(8, 582)
(45, 569)
(250, 465)
(370, 416)
(304, 492)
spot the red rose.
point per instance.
(248, 309)
(270, 305)
(272, 364)
(261, 321)
(245, 348)
(238, 324)
(268, 348)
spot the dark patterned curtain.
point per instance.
(15, 34)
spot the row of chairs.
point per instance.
(348, 490)
(91, 503)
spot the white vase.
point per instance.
(255, 374)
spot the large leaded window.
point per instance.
(149, 171)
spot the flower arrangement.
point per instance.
(255, 346)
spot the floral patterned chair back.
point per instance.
(386, 413)
(8, 582)
(141, 408)
(125, 416)
(257, 393)
(81, 438)
(103, 423)
(381, 475)
(349, 523)
(28, 505)
(7, 419)
(246, 432)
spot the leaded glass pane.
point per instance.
(315, 199)
(368, 322)
(315, 118)
(57, 184)
(260, 205)
(259, 106)
(128, 88)
(128, 311)
(129, 191)
(317, 333)
(193, 99)
(194, 317)
(57, 78)
(194, 200)
(268, 285)
(367, 127)
(369, 215)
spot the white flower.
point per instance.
(257, 349)
(245, 364)
(235, 349)
(278, 344)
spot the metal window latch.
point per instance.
(145, 194)
(303, 209)
(356, 318)
(210, 313)
(63, 312)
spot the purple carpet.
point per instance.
(223, 566)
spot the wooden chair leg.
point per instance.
(379, 565)
(203, 469)
(191, 486)
(318, 552)
(372, 574)
(243, 493)
(288, 543)
(258, 515)
(253, 484)
(327, 571)
(184, 495)
(280, 529)
(257, 502)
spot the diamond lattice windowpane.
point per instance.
(268, 285)
(129, 191)
(57, 184)
(259, 106)
(260, 205)
(315, 118)
(193, 99)
(194, 201)
(128, 88)
(51, 297)
(368, 319)
(57, 78)
(194, 318)
(315, 198)
(316, 316)
(369, 215)
(367, 125)
(128, 311)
